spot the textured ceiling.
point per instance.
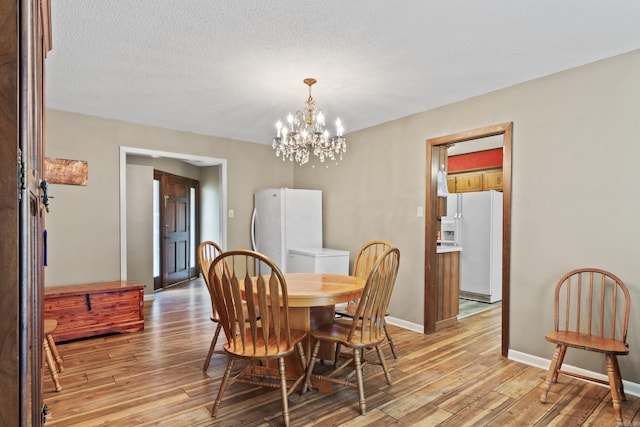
(231, 68)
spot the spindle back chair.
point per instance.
(591, 312)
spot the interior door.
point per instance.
(176, 233)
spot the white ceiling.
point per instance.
(231, 68)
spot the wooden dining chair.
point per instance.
(261, 332)
(364, 330)
(207, 252)
(591, 313)
(362, 266)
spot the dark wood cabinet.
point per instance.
(25, 40)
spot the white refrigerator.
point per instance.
(286, 219)
(479, 217)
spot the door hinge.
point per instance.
(22, 175)
(22, 180)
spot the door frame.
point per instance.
(434, 147)
(190, 158)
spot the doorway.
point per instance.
(436, 152)
(212, 207)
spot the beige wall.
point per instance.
(139, 220)
(575, 192)
(210, 204)
(575, 197)
(84, 226)
(175, 167)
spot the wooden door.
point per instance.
(175, 216)
(25, 39)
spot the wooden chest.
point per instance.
(95, 308)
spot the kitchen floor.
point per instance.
(469, 307)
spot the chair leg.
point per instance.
(307, 378)
(51, 365)
(337, 356)
(360, 382)
(384, 364)
(614, 381)
(300, 380)
(303, 359)
(54, 351)
(283, 392)
(619, 384)
(393, 348)
(214, 341)
(553, 368)
(223, 385)
(563, 351)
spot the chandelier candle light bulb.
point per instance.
(305, 133)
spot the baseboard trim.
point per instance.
(415, 327)
(149, 297)
(630, 388)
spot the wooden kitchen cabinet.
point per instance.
(469, 182)
(492, 180)
(448, 288)
(475, 181)
(95, 309)
(451, 183)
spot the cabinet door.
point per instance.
(451, 184)
(493, 180)
(469, 182)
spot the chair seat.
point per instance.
(268, 352)
(216, 319)
(349, 310)
(588, 342)
(338, 332)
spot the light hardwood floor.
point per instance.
(452, 378)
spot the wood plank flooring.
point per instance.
(455, 377)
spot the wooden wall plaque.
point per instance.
(63, 171)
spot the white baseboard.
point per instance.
(630, 388)
(149, 297)
(415, 327)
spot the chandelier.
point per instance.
(304, 133)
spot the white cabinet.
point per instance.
(318, 260)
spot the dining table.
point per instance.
(312, 299)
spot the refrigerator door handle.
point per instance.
(253, 230)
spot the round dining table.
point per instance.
(312, 299)
(320, 289)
